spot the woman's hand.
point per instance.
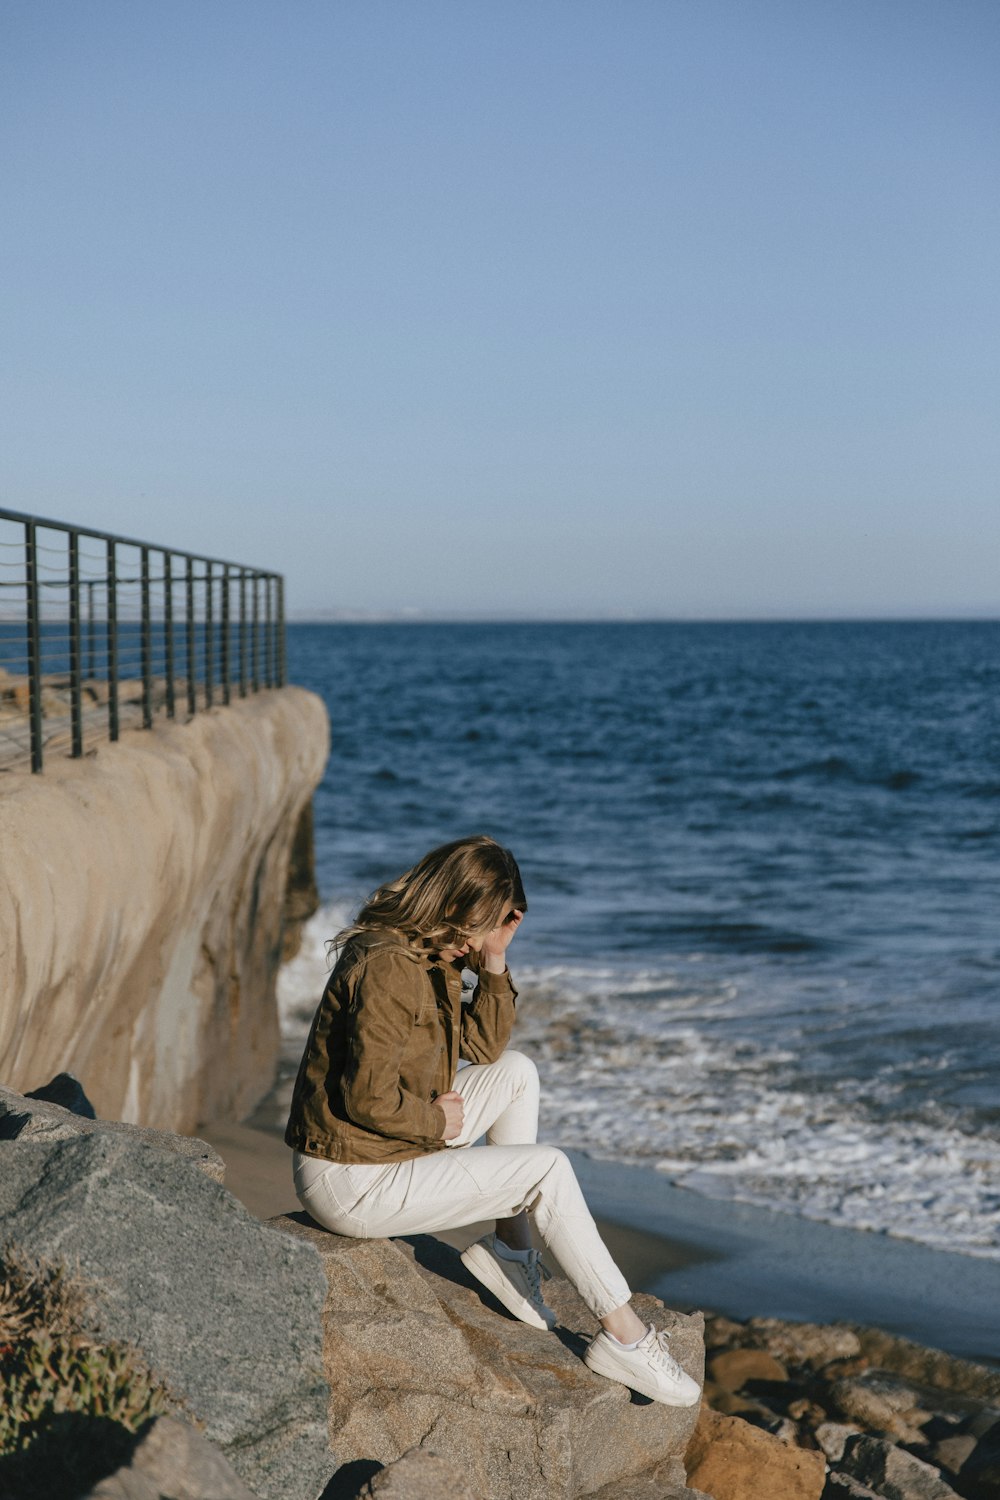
(454, 1113)
(493, 948)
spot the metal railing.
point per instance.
(100, 632)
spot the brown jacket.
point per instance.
(384, 1043)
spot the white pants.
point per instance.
(446, 1189)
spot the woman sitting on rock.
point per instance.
(383, 1117)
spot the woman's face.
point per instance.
(475, 940)
(449, 955)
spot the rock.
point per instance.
(783, 1428)
(733, 1461)
(807, 1411)
(839, 1369)
(985, 1421)
(735, 1367)
(417, 1353)
(952, 1452)
(832, 1438)
(892, 1472)
(928, 1366)
(812, 1344)
(224, 1309)
(980, 1474)
(843, 1487)
(418, 1475)
(801, 1409)
(172, 1460)
(67, 1091)
(722, 1333)
(25, 1117)
(881, 1403)
(740, 1406)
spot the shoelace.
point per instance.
(660, 1349)
(534, 1270)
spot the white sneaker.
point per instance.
(649, 1368)
(515, 1283)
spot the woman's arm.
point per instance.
(487, 1021)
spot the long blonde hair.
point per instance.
(460, 890)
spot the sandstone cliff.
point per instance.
(141, 910)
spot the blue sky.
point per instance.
(547, 307)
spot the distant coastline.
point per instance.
(987, 615)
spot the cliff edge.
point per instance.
(142, 910)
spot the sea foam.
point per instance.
(642, 1067)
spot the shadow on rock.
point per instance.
(68, 1455)
(350, 1478)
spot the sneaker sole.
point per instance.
(485, 1269)
(613, 1371)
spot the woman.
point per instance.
(382, 1116)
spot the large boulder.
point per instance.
(418, 1354)
(734, 1461)
(60, 1112)
(929, 1367)
(67, 1090)
(892, 1472)
(880, 1403)
(811, 1344)
(225, 1310)
(735, 1367)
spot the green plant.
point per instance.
(70, 1402)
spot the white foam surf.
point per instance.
(646, 1068)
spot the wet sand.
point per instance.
(722, 1257)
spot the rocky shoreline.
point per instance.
(888, 1417)
(303, 1365)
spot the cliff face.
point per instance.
(142, 897)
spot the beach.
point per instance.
(726, 1258)
(758, 970)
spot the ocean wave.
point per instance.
(721, 1115)
(646, 1066)
(301, 980)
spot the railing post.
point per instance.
(189, 615)
(91, 630)
(224, 664)
(146, 646)
(243, 632)
(112, 641)
(34, 624)
(168, 632)
(268, 633)
(209, 631)
(75, 664)
(254, 643)
(282, 656)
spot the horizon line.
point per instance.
(416, 617)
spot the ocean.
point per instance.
(762, 952)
